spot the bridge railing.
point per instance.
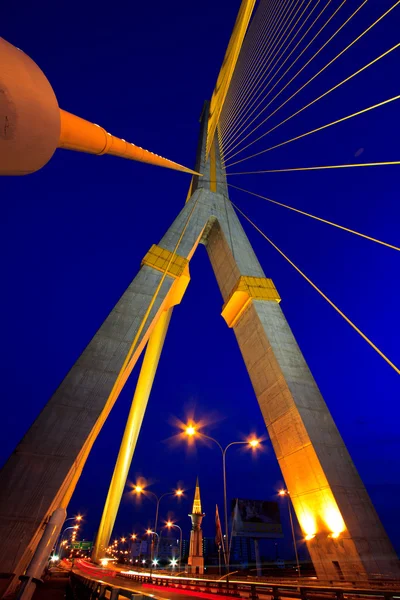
(86, 588)
(255, 590)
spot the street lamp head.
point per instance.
(178, 492)
(169, 524)
(283, 492)
(254, 443)
(133, 536)
(78, 518)
(174, 562)
(138, 489)
(149, 531)
(123, 539)
(76, 526)
(190, 430)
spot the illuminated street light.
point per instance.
(133, 536)
(191, 431)
(140, 489)
(123, 540)
(170, 524)
(173, 562)
(308, 537)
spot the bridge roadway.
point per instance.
(276, 590)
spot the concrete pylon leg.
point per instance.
(341, 527)
(42, 472)
(131, 433)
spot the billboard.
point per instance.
(256, 518)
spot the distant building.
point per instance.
(168, 548)
(140, 548)
(185, 548)
(210, 551)
(243, 552)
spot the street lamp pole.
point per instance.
(152, 533)
(253, 443)
(61, 537)
(139, 489)
(169, 525)
(287, 494)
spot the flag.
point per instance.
(219, 540)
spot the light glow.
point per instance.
(149, 531)
(254, 443)
(138, 489)
(174, 562)
(282, 492)
(333, 519)
(54, 558)
(190, 430)
(104, 562)
(309, 536)
(169, 523)
(179, 493)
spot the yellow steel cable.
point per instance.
(269, 25)
(310, 80)
(266, 74)
(246, 62)
(332, 89)
(341, 313)
(299, 71)
(241, 122)
(268, 48)
(265, 63)
(320, 168)
(302, 212)
(298, 137)
(249, 69)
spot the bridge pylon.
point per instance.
(341, 527)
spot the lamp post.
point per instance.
(76, 527)
(169, 524)
(253, 443)
(153, 561)
(140, 490)
(76, 518)
(287, 494)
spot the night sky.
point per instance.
(73, 235)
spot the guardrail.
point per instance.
(94, 586)
(85, 588)
(253, 591)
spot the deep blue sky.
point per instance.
(73, 235)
